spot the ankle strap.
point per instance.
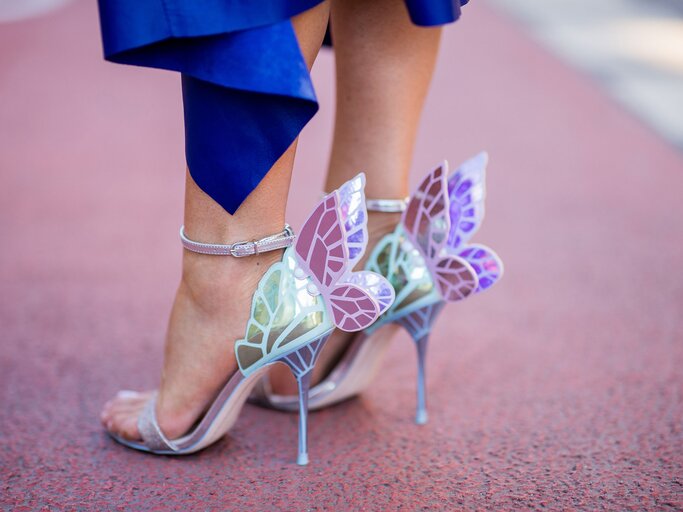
(387, 205)
(241, 249)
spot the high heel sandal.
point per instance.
(297, 304)
(428, 262)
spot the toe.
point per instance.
(129, 428)
(120, 414)
(124, 424)
(106, 412)
(125, 401)
(128, 394)
(126, 407)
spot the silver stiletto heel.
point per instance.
(301, 362)
(421, 412)
(297, 304)
(428, 261)
(419, 326)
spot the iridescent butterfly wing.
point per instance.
(466, 191)
(353, 307)
(485, 262)
(354, 217)
(455, 276)
(405, 268)
(377, 285)
(323, 252)
(321, 247)
(281, 310)
(427, 223)
(426, 219)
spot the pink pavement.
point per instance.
(560, 389)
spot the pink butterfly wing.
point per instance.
(426, 219)
(320, 245)
(455, 277)
(353, 308)
(323, 253)
(485, 262)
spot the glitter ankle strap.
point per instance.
(387, 205)
(241, 249)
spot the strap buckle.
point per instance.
(244, 248)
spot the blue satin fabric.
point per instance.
(428, 13)
(247, 93)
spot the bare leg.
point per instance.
(384, 68)
(211, 307)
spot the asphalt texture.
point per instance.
(559, 389)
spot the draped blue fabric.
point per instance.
(434, 12)
(247, 92)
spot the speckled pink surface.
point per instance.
(560, 389)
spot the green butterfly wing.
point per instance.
(284, 317)
(397, 259)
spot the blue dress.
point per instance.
(247, 93)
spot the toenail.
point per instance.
(126, 393)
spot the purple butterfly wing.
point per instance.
(455, 277)
(426, 218)
(321, 246)
(466, 192)
(486, 264)
(354, 217)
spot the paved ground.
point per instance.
(559, 390)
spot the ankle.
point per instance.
(215, 283)
(381, 223)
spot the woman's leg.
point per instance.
(213, 301)
(384, 67)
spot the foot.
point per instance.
(282, 381)
(210, 312)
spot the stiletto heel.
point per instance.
(419, 325)
(304, 384)
(297, 304)
(421, 415)
(301, 362)
(429, 261)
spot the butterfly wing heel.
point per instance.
(429, 262)
(298, 302)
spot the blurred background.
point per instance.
(560, 389)
(633, 48)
